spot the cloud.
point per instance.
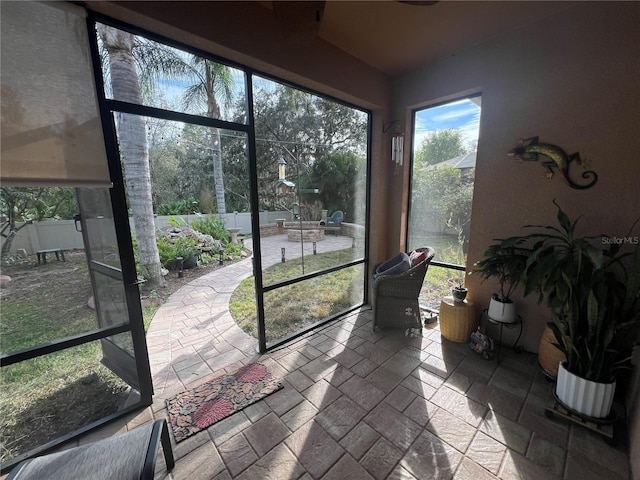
(462, 115)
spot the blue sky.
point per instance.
(462, 114)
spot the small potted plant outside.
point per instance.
(459, 293)
(186, 247)
(505, 261)
(591, 288)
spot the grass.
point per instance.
(46, 397)
(291, 308)
(37, 392)
(439, 280)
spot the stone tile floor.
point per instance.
(365, 405)
(358, 404)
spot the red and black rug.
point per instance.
(200, 407)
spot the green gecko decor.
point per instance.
(531, 149)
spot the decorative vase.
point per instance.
(459, 294)
(589, 398)
(549, 357)
(504, 312)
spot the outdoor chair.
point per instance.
(128, 456)
(334, 222)
(396, 286)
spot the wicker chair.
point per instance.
(395, 297)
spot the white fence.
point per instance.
(62, 233)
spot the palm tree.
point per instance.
(209, 81)
(133, 148)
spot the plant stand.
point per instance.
(517, 323)
(601, 426)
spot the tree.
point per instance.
(340, 179)
(315, 136)
(440, 146)
(133, 148)
(26, 204)
(209, 82)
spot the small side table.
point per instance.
(515, 324)
(457, 319)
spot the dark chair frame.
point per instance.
(395, 297)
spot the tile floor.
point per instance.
(358, 404)
(363, 405)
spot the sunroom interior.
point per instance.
(566, 72)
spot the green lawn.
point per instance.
(297, 306)
(439, 280)
(46, 397)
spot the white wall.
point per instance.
(62, 233)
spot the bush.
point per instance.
(169, 249)
(179, 207)
(212, 226)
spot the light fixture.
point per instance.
(77, 219)
(180, 261)
(397, 148)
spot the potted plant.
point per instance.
(505, 261)
(592, 291)
(187, 248)
(459, 293)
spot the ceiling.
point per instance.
(395, 37)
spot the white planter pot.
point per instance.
(502, 312)
(584, 396)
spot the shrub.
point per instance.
(179, 207)
(169, 249)
(212, 226)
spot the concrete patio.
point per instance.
(358, 404)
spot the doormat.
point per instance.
(200, 407)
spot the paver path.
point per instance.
(193, 335)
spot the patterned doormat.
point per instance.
(200, 407)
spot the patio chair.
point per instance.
(131, 455)
(396, 287)
(334, 222)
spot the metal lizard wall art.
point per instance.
(531, 149)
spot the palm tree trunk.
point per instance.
(133, 149)
(213, 111)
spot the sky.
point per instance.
(462, 114)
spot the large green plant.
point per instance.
(592, 291)
(506, 263)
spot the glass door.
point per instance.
(110, 291)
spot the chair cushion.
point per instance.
(118, 457)
(416, 257)
(397, 264)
